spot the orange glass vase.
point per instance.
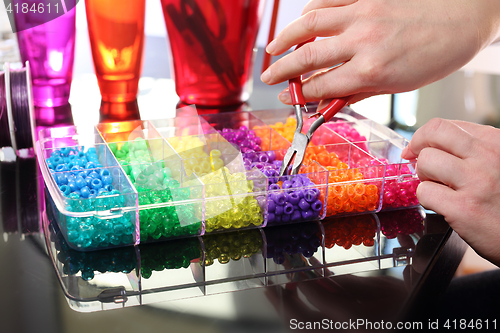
(116, 30)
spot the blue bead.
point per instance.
(96, 184)
(71, 177)
(65, 151)
(55, 153)
(72, 186)
(94, 174)
(50, 164)
(71, 164)
(90, 165)
(61, 167)
(89, 180)
(106, 179)
(82, 174)
(104, 172)
(57, 160)
(108, 188)
(84, 192)
(93, 193)
(80, 182)
(66, 160)
(61, 178)
(65, 190)
(91, 151)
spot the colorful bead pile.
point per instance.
(233, 204)
(195, 158)
(231, 246)
(155, 185)
(349, 231)
(89, 186)
(289, 198)
(168, 255)
(348, 190)
(302, 238)
(245, 139)
(399, 193)
(401, 222)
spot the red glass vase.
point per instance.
(212, 48)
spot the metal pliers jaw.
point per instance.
(300, 140)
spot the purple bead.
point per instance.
(294, 197)
(278, 198)
(286, 184)
(303, 204)
(288, 208)
(272, 156)
(243, 128)
(271, 206)
(274, 187)
(317, 205)
(277, 163)
(277, 219)
(263, 158)
(286, 218)
(311, 195)
(279, 210)
(257, 165)
(307, 214)
(296, 215)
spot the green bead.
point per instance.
(139, 144)
(113, 147)
(167, 173)
(125, 148)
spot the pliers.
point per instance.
(300, 140)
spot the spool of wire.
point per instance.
(16, 111)
(4, 121)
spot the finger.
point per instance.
(316, 55)
(477, 130)
(318, 4)
(441, 134)
(439, 166)
(439, 198)
(325, 22)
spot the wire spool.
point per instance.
(16, 110)
(4, 121)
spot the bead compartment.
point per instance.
(381, 145)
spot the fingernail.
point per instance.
(284, 97)
(266, 76)
(271, 47)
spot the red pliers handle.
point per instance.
(295, 87)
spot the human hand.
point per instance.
(384, 46)
(458, 164)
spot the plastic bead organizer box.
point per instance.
(134, 182)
